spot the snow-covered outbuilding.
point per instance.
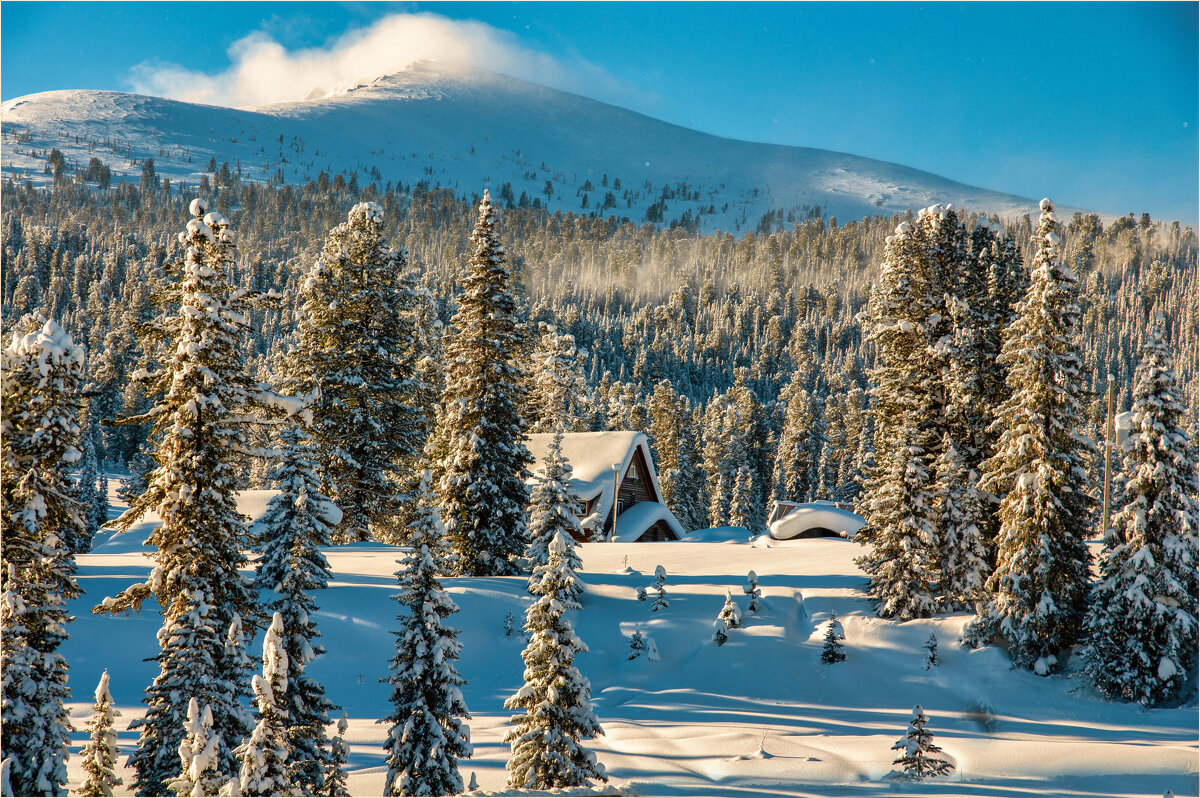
(789, 520)
(641, 514)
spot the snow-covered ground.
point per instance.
(759, 716)
(469, 129)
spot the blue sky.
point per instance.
(1093, 104)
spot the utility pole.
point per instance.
(1108, 443)
(616, 467)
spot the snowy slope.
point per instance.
(759, 716)
(469, 129)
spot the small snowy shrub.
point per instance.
(719, 632)
(660, 582)
(100, 751)
(931, 652)
(335, 773)
(730, 613)
(751, 589)
(918, 749)
(833, 650)
(637, 644)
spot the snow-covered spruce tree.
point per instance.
(335, 772)
(265, 755)
(730, 613)
(759, 453)
(427, 735)
(100, 751)
(552, 508)
(637, 644)
(742, 510)
(357, 342)
(1141, 629)
(918, 751)
(906, 387)
(1007, 282)
(902, 563)
(963, 557)
(18, 660)
(197, 772)
(833, 650)
(555, 701)
(725, 455)
(298, 522)
(42, 377)
(482, 479)
(661, 602)
(720, 634)
(683, 482)
(1037, 594)
(207, 403)
(957, 289)
(752, 591)
(931, 652)
(559, 395)
(794, 455)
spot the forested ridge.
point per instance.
(765, 319)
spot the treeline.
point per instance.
(752, 315)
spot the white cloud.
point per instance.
(263, 71)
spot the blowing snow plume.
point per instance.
(263, 71)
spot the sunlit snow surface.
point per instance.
(693, 722)
(468, 129)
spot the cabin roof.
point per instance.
(592, 455)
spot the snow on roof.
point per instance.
(634, 522)
(816, 516)
(591, 455)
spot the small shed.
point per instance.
(641, 514)
(792, 520)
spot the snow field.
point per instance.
(758, 716)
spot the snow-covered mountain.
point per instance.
(468, 129)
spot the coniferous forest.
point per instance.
(378, 355)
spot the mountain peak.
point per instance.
(466, 128)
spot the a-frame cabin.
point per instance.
(641, 514)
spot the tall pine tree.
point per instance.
(298, 522)
(1037, 594)
(902, 524)
(358, 347)
(482, 477)
(427, 735)
(42, 378)
(554, 703)
(207, 403)
(1141, 632)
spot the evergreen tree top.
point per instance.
(488, 248)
